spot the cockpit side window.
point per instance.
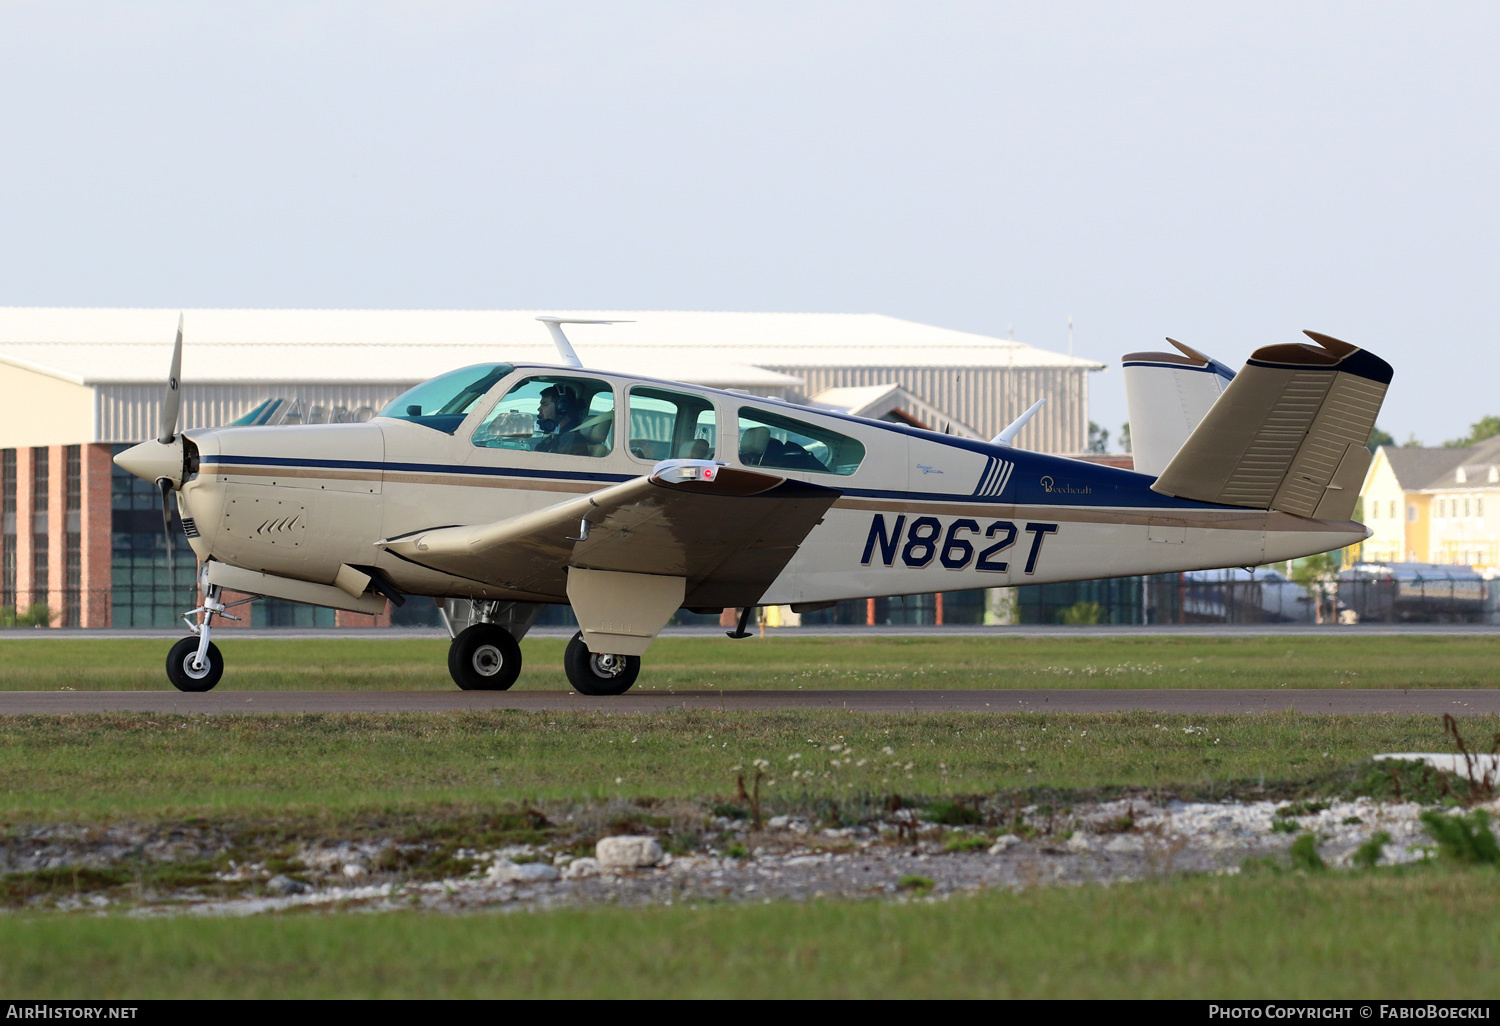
(444, 402)
(668, 425)
(553, 413)
(773, 441)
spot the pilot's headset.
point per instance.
(562, 402)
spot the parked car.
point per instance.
(1414, 592)
(1262, 595)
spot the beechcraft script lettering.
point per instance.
(955, 546)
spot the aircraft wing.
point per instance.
(728, 532)
(1289, 433)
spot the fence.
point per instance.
(1191, 598)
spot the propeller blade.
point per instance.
(173, 401)
(165, 485)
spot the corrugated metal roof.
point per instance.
(97, 346)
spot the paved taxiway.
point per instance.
(1337, 702)
(1234, 630)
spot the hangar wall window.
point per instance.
(41, 485)
(8, 534)
(444, 402)
(553, 413)
(73, 538)
(144, 590)
(668, 425)
(773, 441)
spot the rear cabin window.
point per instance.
(553, 413)
(444, 402)
(668, 425)
(781, 443)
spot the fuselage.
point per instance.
(918, 511)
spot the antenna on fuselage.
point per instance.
(564, 347)
(1007, 436)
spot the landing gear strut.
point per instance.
(593, 673)
(194, 664)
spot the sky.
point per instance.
(1226, 174)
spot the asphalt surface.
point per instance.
(1253, 630)
(1433, 702)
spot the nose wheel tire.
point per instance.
(593, 673)
(186, 673)
(484, 657)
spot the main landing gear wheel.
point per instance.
(484, 657)
(599, 674)
(185, 671)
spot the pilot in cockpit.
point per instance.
(559, 412)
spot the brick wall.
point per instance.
(97, 524)
(344, 618)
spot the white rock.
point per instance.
(795, 824)
(1080, 842)
(506, 871)
(627, 852)
(1125, 843)
(353, 870)
(580, 868)
(1003, 843)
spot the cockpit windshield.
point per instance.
(444, 402)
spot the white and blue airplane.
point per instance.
(502, 487)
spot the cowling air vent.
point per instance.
(267, 521)
(189, 528)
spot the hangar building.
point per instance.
(86, 540)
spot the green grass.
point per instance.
(101, 766)
(1388, 934)
(789, 663)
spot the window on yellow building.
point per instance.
(1411, 513)
(1467, 511)
(1393, 509)
(1479, 506)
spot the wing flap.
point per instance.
(728, 537)
(1282, 435)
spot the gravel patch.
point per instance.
(901, 858)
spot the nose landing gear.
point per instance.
(194, 664)
(191, 670)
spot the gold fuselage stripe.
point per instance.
(1217, 519)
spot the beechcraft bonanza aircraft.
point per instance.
(501, 487)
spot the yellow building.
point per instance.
(1434, 505)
